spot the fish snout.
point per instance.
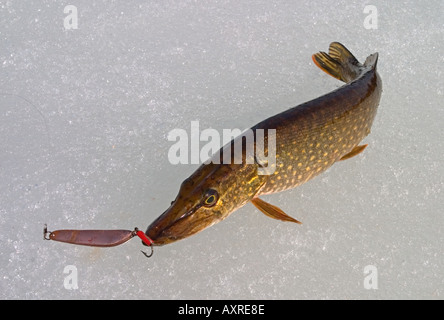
(157, 233)
(160, 230)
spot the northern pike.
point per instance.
(310, 138)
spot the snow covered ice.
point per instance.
(84, 118)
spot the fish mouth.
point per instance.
(177, 223)
(169, 227)
(161, 238)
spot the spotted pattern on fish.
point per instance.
(309, 139)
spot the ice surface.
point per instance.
(84, 116)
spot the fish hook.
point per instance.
(148, 255)
(146, 241)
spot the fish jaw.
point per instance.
(179, 222)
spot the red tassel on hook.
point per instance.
(146, 241)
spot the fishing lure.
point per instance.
(97, 238)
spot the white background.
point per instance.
(84, 116)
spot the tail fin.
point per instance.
(339, 62)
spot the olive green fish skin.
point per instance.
(313, 136)
(309, 139)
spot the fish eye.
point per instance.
(210, 198)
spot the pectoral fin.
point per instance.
(272, 211)
(356, 150)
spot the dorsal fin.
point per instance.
(354, 152)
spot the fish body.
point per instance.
(309, 138)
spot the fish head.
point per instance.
(205, 198)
